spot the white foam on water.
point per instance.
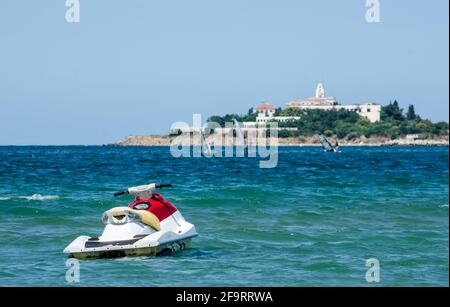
(444, 206)
(5, 198)
(40, 197)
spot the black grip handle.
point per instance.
(162, 185)
(121, 193)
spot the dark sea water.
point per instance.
(313, 220)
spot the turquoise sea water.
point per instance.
(313, 220)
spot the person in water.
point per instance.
(336, 147)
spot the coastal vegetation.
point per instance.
(228, 118)
(349, 125)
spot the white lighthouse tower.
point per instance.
(320, 91)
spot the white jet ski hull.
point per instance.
(131, 250)
(135, 239)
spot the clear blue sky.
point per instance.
(135, 67)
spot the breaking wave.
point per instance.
(39, 197)
(36, 197)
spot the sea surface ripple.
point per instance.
(313, 220)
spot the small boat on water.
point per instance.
(149, 226)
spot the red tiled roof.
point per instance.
(264, 106)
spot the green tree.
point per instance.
(284, 133)
(278, 111)
(392, 112)
(217, 119)
(328, 133)
(440, 128)
(411, 115)
(292, 112)
(250, 117)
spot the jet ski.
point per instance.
(149, 226)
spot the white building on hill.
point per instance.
(266, 113)
(371, 111)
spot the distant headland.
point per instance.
(302, 121)
(410, 140)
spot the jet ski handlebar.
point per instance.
(121, 193)
(142, 189)
(162, 185)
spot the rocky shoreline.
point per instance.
(166, 140)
